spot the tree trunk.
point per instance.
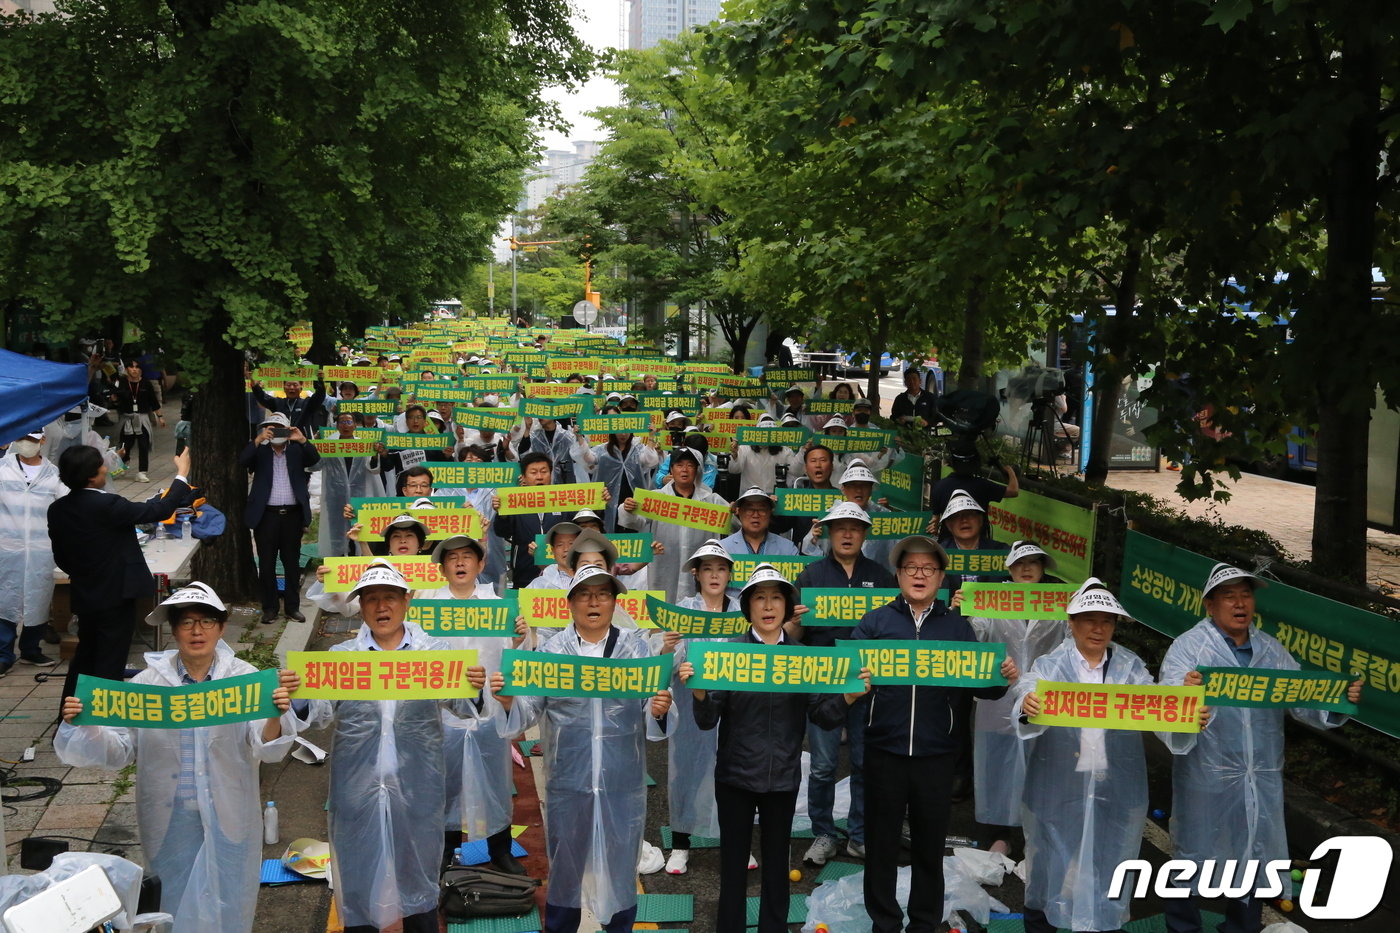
(217, 434)
(877, 348)
(1340, 330)
(1110, 346)
(973, 342)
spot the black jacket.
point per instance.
(257, 459)
(520, 531)
(912, 720)
(829, 574)
(94, 543)
(904, 407)
(307, 412)
(760, 734)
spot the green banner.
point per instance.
(1271, 687)
(773, 437)
(552, 409)
(475, 475)
(1162, 588)
(620, 386)
(149, 706)
(455, 618)
(361, 434)
(500, 385)
(542, 673)
(486, 419)
(902, 483)
(1033, 601)
(932, 663)
(662, 401)
(842, 606)
(885, 525)
(636, 423)
(789, 565)
(828, 406)
(631, 549)
(1066, 531)
(401, 504)
(393, 441)
(377, 407)
(724, 665)
(1141, 708)
(853, 443)
(977, 563)
(696, 623)
(806, 503)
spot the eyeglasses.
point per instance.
(200, 624)
(914, 571)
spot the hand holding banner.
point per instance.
(543, 673)
(1266, 688)
(842, 606)
(932, 663)
(1031, 601)
(459, 618)
(678, 510)
(724, 665)
(1120, 706)
(383, 675)
(695, 623)
(153, 706)
(568, 497)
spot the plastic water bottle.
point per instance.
(159, 537)
(271, 834)
(185, 518)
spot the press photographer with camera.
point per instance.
(279, 507)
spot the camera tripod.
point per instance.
(1044, 432)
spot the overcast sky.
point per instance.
(599, 24)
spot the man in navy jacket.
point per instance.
(279, 508)
(912, 740)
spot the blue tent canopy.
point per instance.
(34, 392)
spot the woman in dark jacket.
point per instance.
(758, 764)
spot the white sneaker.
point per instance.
(753, 862)
(821, 849)
(679, 862)
(142, 478)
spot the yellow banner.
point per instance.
(678, 510)
(570, 497)
(421, 572)
(382, 675)
(1120, 706)
(441, 523)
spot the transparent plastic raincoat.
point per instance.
(608, 468)
(1227, 789)
(594, 755)
(998, 754)
(386, 797)
(476, 756)
(343, 478)
(26, 556)
(207, 848)
(1080, 824)
(680, 543)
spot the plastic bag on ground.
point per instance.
(651, 860)
(124, 875)
(840, 904)
(982, 866)
(154, 923)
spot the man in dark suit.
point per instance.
(94, 543)
(305, 412)
(279, 508)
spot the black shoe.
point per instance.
(51, 635)
(38, 659)
(510, 865)
(269, 618)
(296, 617)
(5, 667)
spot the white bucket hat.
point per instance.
(1225, 573)
(766, 573)
(1020, 550)
(755, 492)
(1093, 596)
(835, 422)
(711, 548)
(960, 502)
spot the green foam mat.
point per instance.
(834, 870)
(528, 746)
(526, 923)
(665, 908)
(651, 781)
(1154, 924)
(797, 910)
(807, 833)
(696, 842)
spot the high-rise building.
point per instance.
(653, 20)
(559, 169)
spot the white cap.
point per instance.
(1093, 596)
(436, 416)
(766, 418)
(279, 419)
(1020, 550)
(380, 572)
(792, 389)
(193, 594)
(453, 543)
(406, 521)
(1225, 573)
(835, 422)
(857, 472)
(960, 502)
(676, 416)
(711, 548)
(490, 401)
(590, 540)
(587, 515)
(790, 418)
(767, 573)
(423, 502)
(36, 435)
(754, 492)
(844, 509)
(589, 575)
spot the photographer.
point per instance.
(963, 460)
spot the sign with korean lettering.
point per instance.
(394, 441)
(380, 408)
(361, 434)
(633, 423)
(781, 379)
(773, 437)
(152, 706)
(496, 385)
(420, 571)
(544, 674)
(383, 675)
(550, 608)
(486, 419)
(567, 366)
(401, 504)
(722, 665)
(360, 375)
(853, 443)
(886, 525)
(789, 565)
(1032, 601)
(338, 448)
(565, 497)
(631, 549)
(977, 563)
(551, 390)
(662, 401)
(696, 623)
(812, 503)
(555, 409)
(932, 663)
(842, 606)
(678, 510)
(458, 618)
(902, 483)
(441, 522)
(475, 475)
(1065, 530)
(287, 373)
(829, 406)
(1161, 587)
(1119, 706)
(1271, 687)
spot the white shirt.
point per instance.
(1092, 755)
(588, 649)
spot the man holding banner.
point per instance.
(536, 469)
(1227, 789)
(197, 797)
(678, 536)
(594, 749)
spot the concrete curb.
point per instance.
(297, 635)
(1310, 820)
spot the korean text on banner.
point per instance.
(887, 525)
(928, 663)
(1271, 687)
(401, 504)
(458, 618)
(441, 523)
(722, 665)
(474, 475)
(631, 549)
(1120, 706)
(550, 608)
(540, 673)
(1162, 588)
(842, 606)
(902, 483)
(977, 563)
(382, 675)
(421, 572)
(1066, 531)
(806, 503)
(151, 706)
(1033, 601)
(789, 565)
(568, 497)
(696, 623)
(678, 510)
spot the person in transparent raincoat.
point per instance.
(477, 757)
(387, 789)
(343, 479)
(678, 541)
(998, 755)
(197, 800)
(1227, 789)
(29, 484)
(623, 464)
(1086, 789)
(596, 766)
